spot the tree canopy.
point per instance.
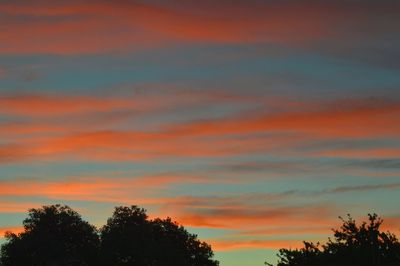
(56, 235)
(352, 245)
(131, 238)
(53, 235)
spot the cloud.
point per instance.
(69, 27)
(287, 237)
(364, 188)
(239, 217)
(15, 230)
(262, 209)
(253, 220)
(57, 105)
(360, 118)
(282, 231)
(9, 206)
(242, 211)
(227, 245)
(55, 127)
(100, 189)
(266, 166)
(49, 105)
(378, 163)
(60, 126)
(391, 223)
(213, 211)
(12, 153)
(366, 153)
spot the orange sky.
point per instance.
(253, 123)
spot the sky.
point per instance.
(255, 124)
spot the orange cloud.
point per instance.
(233, 212)
(15, 230)
(240, 218)
(103, 26)
(16, 207)
(88, 122)
(122, 190)
(131, 145)
(66, 190)
(391, 223)
(56, 105)
(279, 231)
(12, 153)
(241, 211)
(283, 236)
(43, 105)
(281, 132)
(227, 245)
(48, 105)
(360, 119)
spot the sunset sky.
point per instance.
(253, 123)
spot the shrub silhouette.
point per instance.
(56, 235)
(130, 238)
(53, 235)
(352, 245)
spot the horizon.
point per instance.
(254, 124)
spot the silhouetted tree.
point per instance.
(125, 238)
(57, 236)
(352, 245)
(177, 247)
(130, 238)
(53, 236)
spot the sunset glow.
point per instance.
(255, 124)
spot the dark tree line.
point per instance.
(351, 245)
(57, 236)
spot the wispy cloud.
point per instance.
(104, 26)
(261, 121)
(240, 132)
(359, 118)
(228, 245)
(117, 190)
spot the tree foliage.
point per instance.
(53, 235)
(352, 245)
(131, 238)
(57, 236)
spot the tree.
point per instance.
(125, 238)
(57, 236)
(53, 236)
(131, 238)
(176, 246)
(352, 245)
